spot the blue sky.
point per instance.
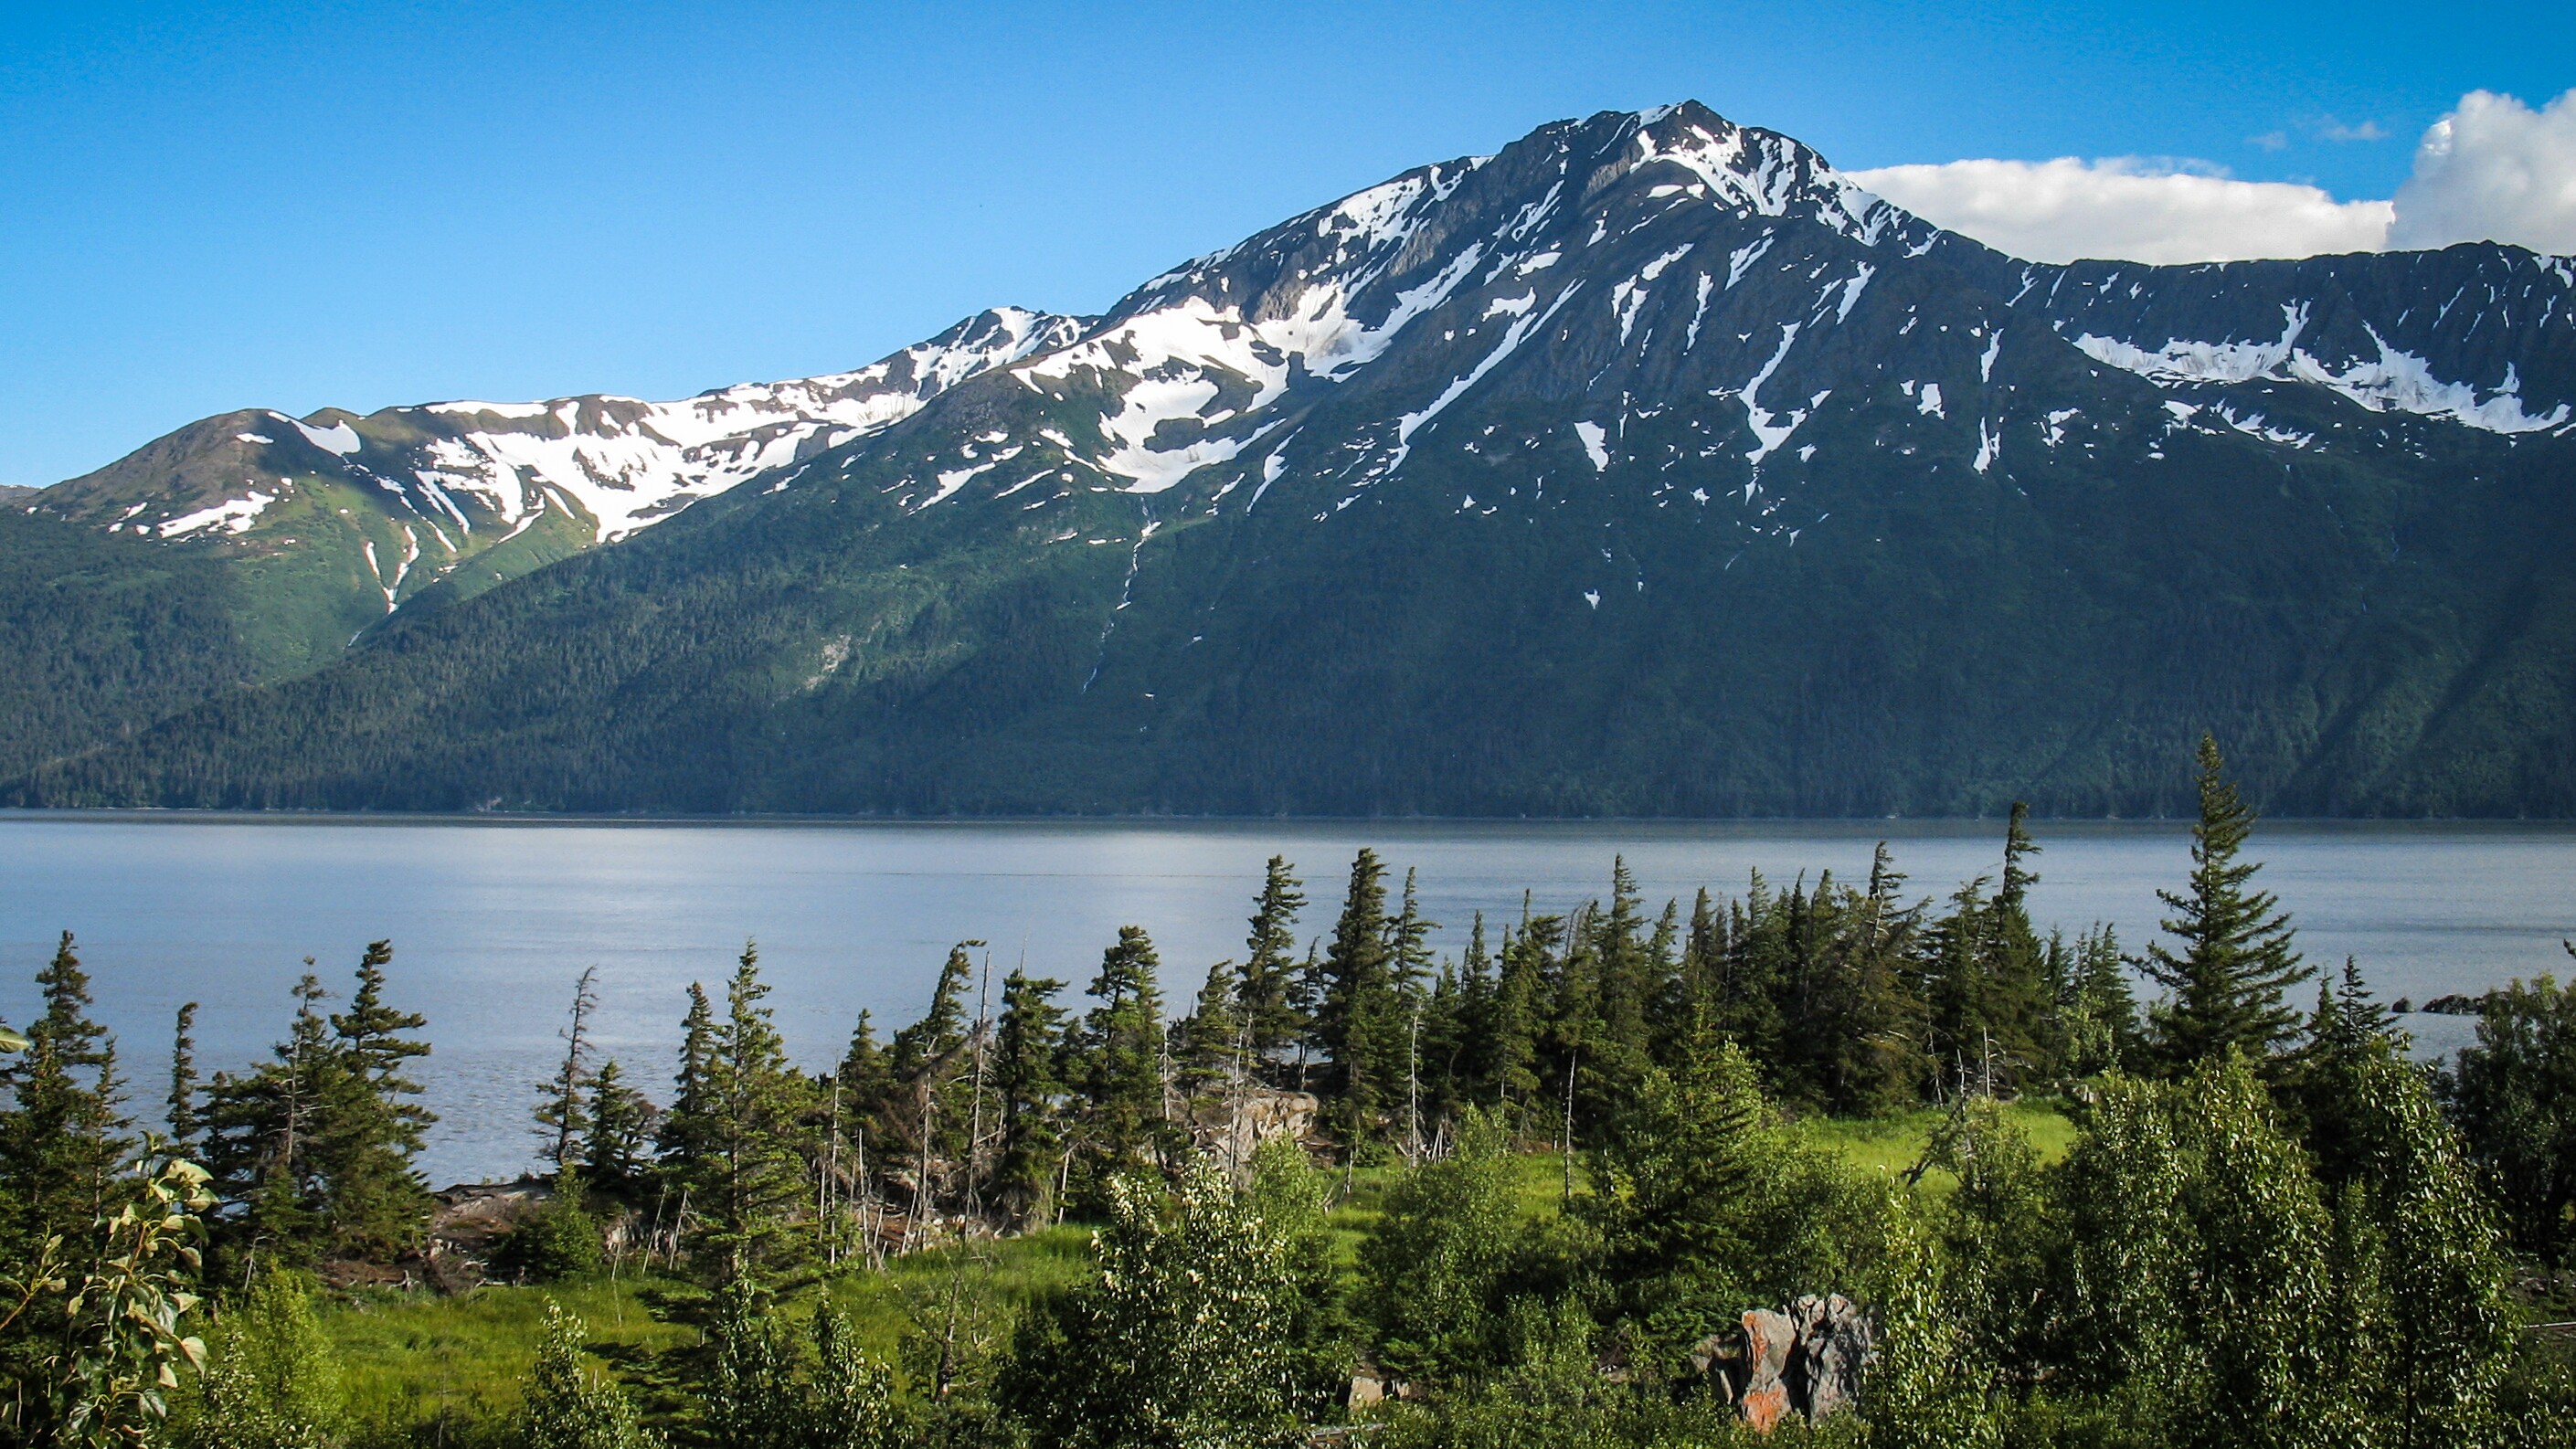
(205, 207)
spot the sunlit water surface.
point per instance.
(492, 920)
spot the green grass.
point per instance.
(419, 1360)
(458, 1361)
(1893, 1145)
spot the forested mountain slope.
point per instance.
(100, 636)
(310, 531)
(1646, 467)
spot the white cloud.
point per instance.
(2127, 208)
(2493, 170)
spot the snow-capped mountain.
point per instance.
(1647, 466)
(412, 492)
(1717, 301)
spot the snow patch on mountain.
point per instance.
(233, 515)
(339, 438)
(1595, 441)
(2393, 381)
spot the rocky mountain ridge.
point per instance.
(1646, 466)
(371, 510)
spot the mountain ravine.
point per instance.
(1645, 467)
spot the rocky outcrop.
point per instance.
(1808, 1361)
(1231, 1125)
(1835, 1342)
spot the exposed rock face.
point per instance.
(1807, 1361)
(1835, 1340)
(1768, 1339)
(1232, 1127)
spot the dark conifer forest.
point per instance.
(1802, 1160)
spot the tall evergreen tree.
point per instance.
(1268, 990)
(1120, 1059)
(1519, 980)
(1754, 973)
(866, 1080)
(370, 1126)
(563, 1117)
(2227, 982)
(1689, 1001)
(1204, 1043)
(930, 1062)
(1628, 983)
(1960, 1037)
(1397, 1043)
(1470, 1059)
(752, 1177)
(1358, 1011)
(265, 1136)
(2018, 1005)
(62, 1132)
(180, 1108)
(62, 1138)
(684, 1136)
(1028, 1080)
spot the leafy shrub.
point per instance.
(271, 1381)
(559, 1242)
(571, 1406)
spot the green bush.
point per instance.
(558, 1243)
(571, 1406)
(271, 1381)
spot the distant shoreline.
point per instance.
(1822, 825)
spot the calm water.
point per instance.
(491, 921)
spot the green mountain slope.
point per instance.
(317, 529)
(100, 636)
(1645, 467)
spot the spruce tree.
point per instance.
(1267, 991)
(933, 1103)
(62, 1138)
(687, 1127)
(1628, 983)
(1358, 1009)
(1569, 1045)
(1028, 1078)
(2018, 1005)
(1471, 1023)
(563, 1117)
(1203, 1044)
(1397, 1040)
(263, 1138)
(865, 1076)
(617, 1151)
(2227, 982)
(369, 1127)
(180, 1107)
(1516, 1019)
(1754, 974)
(1882, 1064)
(750, 1178)
(62, 1132)
(2101, 1014)
(1120, 1070)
